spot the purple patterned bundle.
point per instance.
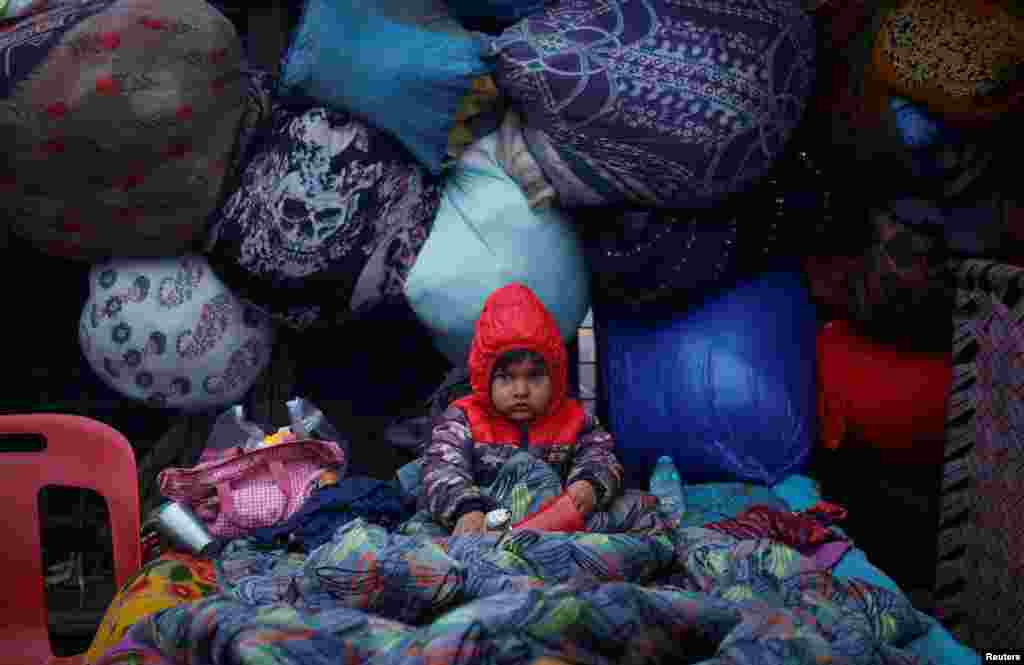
(672, 103)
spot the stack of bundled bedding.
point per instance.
(679, 166)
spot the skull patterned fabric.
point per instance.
(169, 333)
(329, 218)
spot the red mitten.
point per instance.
(560, 515)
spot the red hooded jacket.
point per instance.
(514, 318)
(472, 440)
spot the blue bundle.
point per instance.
(727, 390)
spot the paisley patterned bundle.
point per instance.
(168, 332)
(673, 103)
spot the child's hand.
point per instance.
(582, 493)
(470, 523)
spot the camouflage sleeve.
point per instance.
(449, 488)
(594, 460)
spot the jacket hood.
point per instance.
(514, 318)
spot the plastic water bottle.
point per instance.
(666, 485)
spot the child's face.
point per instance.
(521, 391)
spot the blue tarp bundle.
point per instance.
(727, 390)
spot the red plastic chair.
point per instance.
(79, 452)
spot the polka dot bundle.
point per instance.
(167, 332)
(118, 124)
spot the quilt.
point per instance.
(687, 594)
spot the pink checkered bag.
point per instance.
(246, 490)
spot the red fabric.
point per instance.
(798, 530)
(890, 399)
(514, 318)
(831, 279)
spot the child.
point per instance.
(518, 440)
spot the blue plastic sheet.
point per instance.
(486, 236)
(344, 55)
(726, 390)
(937, 645)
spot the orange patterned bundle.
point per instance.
(171, 580)
(962, 59)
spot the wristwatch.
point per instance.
(498, 519)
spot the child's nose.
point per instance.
(521, 388)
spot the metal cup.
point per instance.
(180, 526)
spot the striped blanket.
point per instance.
(980, 592)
